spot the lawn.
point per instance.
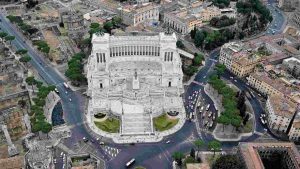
(111, 125)
(163, 122)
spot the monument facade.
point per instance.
(136, 77)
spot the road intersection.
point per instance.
(149, 155)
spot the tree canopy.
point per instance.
(228, 162)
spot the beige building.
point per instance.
(245, 65)
(228, 52)
(181, 21)
(253, 154)
(294, 133)
(136, 14)
(185, 19)
(206, 14)
(280, 112)
(267, 85)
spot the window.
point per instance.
(169, 84)
(101, 86)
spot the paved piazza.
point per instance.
(135, 77)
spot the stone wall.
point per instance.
(51, 100)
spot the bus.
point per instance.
(129, 163)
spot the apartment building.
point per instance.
(268, 85)
(245, 65)
(228, 52)
(137, 14)
(294, 133)
(188, 17)
(280, 112)
(261, 155)
(181, 21)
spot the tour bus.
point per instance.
(66, 85)
(207, 107)
(129, 163)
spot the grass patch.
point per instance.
(248, 127)
(139, 167)
(111, 125)
(163, 122)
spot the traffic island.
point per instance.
(231, 126)
(110, 125)
(164, 122)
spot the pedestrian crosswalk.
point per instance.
(111, 151)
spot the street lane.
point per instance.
(154, 155)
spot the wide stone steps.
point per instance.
(136, 123)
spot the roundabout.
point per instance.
(149, 155)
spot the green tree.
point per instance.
(116, 20)
(198, 58)
(25, 59)
(94, 25)
(179, 44)
(9, 38)
(46, 128)
(21, 51)
(214, 146)
(178, 156)
(199, 144)
(193, 32)
(46, 50)
(220, 68)
(37, 127)
(30, 81)
(199, 38)
(3, 35)
(108, 26)
(228, 162)
(223, 120)
(192, 153)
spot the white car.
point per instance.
(168, 142)
(66, 85)
(262, 120)
(101, 143)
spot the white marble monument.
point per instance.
(135, 76)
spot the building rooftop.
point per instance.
(139, 8)
(249, 152)
(283, 106)
(274, 82)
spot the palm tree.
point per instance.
(198, 143)
(178, 156)
(214, 146)
(9, 38)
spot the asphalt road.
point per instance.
(150, 155)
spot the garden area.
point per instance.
(110, 125)
(234, 113)
(164, 122)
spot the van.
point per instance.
(66, 85)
